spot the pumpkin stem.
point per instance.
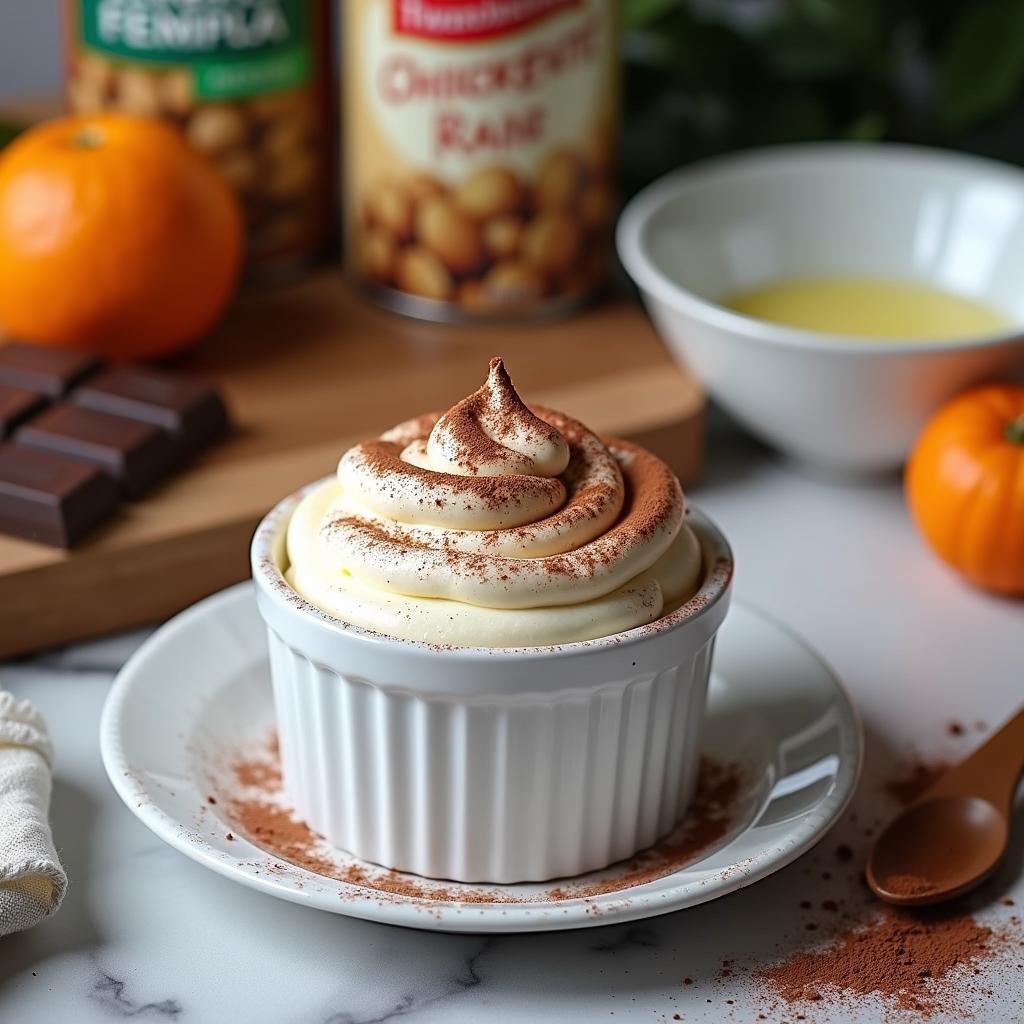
(1015, 430)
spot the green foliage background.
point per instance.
(707, 76)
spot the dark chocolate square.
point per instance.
(51, 499)
(16, 406)
(50, 371)
(188, 407)
(136, 454)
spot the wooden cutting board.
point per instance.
(307, 371)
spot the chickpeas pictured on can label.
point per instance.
(551, 243)
(391, 208)
(503, 236)
(490, 192)
(512, 283)
(217, 128)
(450, 234)
(420, 272)
(558, 183)
(246, 81)
(478, 152)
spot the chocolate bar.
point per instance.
(49, 371)
(82, 436)
(137, 455)
(186, 406)
(16, 406)
(52, 499)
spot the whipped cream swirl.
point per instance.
(495, 525)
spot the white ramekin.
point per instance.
(488, 765)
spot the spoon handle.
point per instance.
(992, 771)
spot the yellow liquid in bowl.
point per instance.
(869, 307)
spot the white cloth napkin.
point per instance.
(32, 881)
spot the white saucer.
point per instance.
(200, 688)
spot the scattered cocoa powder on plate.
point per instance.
(259, 813)
(279, 832)
(259, 774)
(708, 821)
(261, 768)
(275, 829)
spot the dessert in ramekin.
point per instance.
(490, 641)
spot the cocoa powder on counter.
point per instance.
(913, 779)
(918, 962)
(913, 960)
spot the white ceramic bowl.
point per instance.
(488, 765)
(706, 232)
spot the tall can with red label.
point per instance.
(479, 141)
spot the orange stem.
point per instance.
(1015, 430)
(87, 137)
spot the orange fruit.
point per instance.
(114, 236)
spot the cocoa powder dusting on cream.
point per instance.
(498, 403)
(652, 498)
(383, 459)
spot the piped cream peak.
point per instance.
(496, 525)
(493, 433)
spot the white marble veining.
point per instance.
(147, 934)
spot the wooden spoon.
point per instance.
(954, 835)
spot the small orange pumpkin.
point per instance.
(965, 486)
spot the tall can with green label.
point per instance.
(247, 82)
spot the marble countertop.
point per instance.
(147, 934)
